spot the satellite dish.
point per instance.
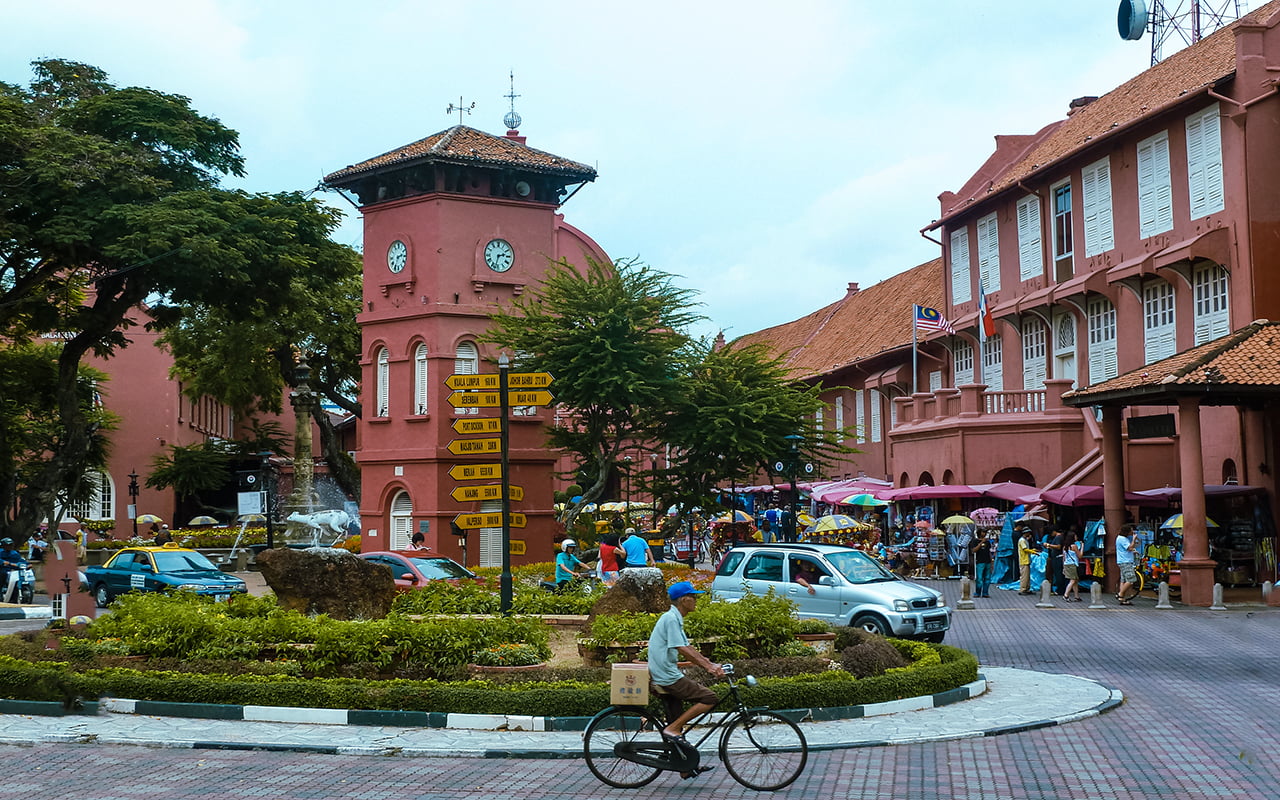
(1131, 19)
(523, 188)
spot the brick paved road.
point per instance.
(1200, 721)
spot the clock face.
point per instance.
(397, 256)
(499, 255)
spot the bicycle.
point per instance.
(761, 749)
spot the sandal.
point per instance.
(676, 739)
(687, 775)
(1126, 602)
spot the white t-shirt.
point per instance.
(1123, 554)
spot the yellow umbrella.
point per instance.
(804, 518)
(1175, 523)
(147, 519)
(834, 522)
(957, 519)
(736, 516)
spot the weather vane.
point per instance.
(512, 119)
(460, 108)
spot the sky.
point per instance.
(764, 154)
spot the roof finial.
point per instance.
(460, 108)
(512, 119)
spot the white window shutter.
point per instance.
(1095, 180)
(935, 380)
(401, 521)
(420, 392)
(1155, 188)
(381, 381)
(839, 406)
(961, 285)
(1212, 311)
(1160, 327)
(1033, 354)
(875, 415)
(1030, 248)
(993, 364)
(859, 415)
(466, 359)
(1204, 162)
(1102, 340)
(989, 253)
(963, 357)
(1213, 162)
(490, 538)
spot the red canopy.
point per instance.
(1013, 492)
(1081, 495)
(928, 492)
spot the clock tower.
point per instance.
(454, 224)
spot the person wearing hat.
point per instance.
(667, 645)
(10, 560)
(568, 566)
(1025, 551)
(36, 546)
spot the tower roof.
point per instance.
(467, 146)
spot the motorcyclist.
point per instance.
(10, 561)
(568, 567)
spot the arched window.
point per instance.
(1229, 473)
(466, 360)
(97, 498)
(420, 379)
(401, 521)
(382, 381)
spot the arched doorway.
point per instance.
(1014, 475)
(401, 521)
(1229, 473)
(926, 479)
(948, 478)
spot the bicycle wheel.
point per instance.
(763, 750)
(626, 726)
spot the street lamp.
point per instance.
(265, 455)
(626, 514)
(133, 500)
(793, 465)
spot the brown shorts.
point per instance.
(689, 691)
(1071, 572)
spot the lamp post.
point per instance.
(265, 455)
(793, 466)
(626, 501)
(133, 500)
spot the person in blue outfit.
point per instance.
(10, 561)
(637, 550)
(667, 645)
(568, 566)
(981, 549)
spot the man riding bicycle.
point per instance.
(666, 645)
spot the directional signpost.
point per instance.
(501, 391)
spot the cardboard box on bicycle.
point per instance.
(629, 685)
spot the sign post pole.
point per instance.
(504, 366)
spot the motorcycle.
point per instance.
(21, 585)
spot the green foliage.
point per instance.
(510, 654)
(811, 625)
(528, 597)
(767, 621)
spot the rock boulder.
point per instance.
(639, 589)
(322, 580)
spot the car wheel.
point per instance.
(871, 624)
(102, 596)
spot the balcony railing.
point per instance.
(972, 400)
(1022, 401)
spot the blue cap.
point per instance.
(681, 589)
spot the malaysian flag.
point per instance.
(930, 319)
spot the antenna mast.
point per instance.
(1174, 23)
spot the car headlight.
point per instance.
(901, 605)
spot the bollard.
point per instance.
(1266, 592)
(1217, 599)
(966, 593)
(1095, 595)
(1162, 595)
(1045, 590)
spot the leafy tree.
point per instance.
(626, 369)
(111, 196)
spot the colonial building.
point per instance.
(454, 224)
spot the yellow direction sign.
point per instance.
(529, 380)
(516, 547)
(490, 520)
(537, 397)
(475, 399)
(467, 494)
(475, 472)
(478, 425)
(475, 447)
(472, 382)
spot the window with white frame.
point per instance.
(401, 521)
(1155, 186)
(1213, 319)
(859, 415)
(490, 538)
(935, 380)
(961, 288)
(962, 359)
(1102, 339)
(989, 253)
(1062, 230)
(839, 404)
(1095, 182)
(1030, 243)
(98, 498)
(381, 382)
(1159, 326)
(1033, 354)
(1064, 348)
(993, 364)
(420, 392)
(820, 418)
(466, 361)
(1204, 162)
(876, 401)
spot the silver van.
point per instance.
(852, 588)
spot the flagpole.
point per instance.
(915, 370)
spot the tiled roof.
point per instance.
(861, 325)
(463, 145)
(1246, 362)
(1165, 84)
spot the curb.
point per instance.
(26, 612)
(436, 719)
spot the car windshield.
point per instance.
(440, 568)
(859, 567)
(180, 561)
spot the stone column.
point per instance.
(1112, 488)
(1197, 568)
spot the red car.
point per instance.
(414, 568)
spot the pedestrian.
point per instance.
(418, 542)
(607, 566)
(1053, 544)
(774, 517)
(637, 550)
(36, 546)
(981, 549)
(1071, 554)
(667, 645)
(1025, 551)
(1126, 556)
(163, 537)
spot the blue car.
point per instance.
(159, 569)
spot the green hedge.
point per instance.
(58, 681)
